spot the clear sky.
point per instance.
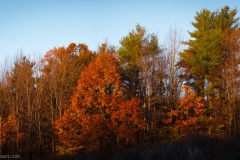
(35, 26)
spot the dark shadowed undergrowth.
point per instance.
(194, 147)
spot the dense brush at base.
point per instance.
(194, 147)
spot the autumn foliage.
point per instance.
(188, 112)
(141, 93)
(9, 131)
(99, 116)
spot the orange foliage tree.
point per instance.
(188, 113)
(60, 71)
(99, 117)
(9, 131)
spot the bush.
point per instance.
(194, 147)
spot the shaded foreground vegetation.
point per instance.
(193, 147)
(117, 102)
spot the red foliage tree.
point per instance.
(98, 116)
(188, 112)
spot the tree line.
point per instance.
(141, 93)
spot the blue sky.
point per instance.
(34, 27)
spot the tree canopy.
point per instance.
(99, 115)
(204, 53)
(142, 94)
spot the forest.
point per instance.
(142, 99)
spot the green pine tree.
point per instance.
(204, 53)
